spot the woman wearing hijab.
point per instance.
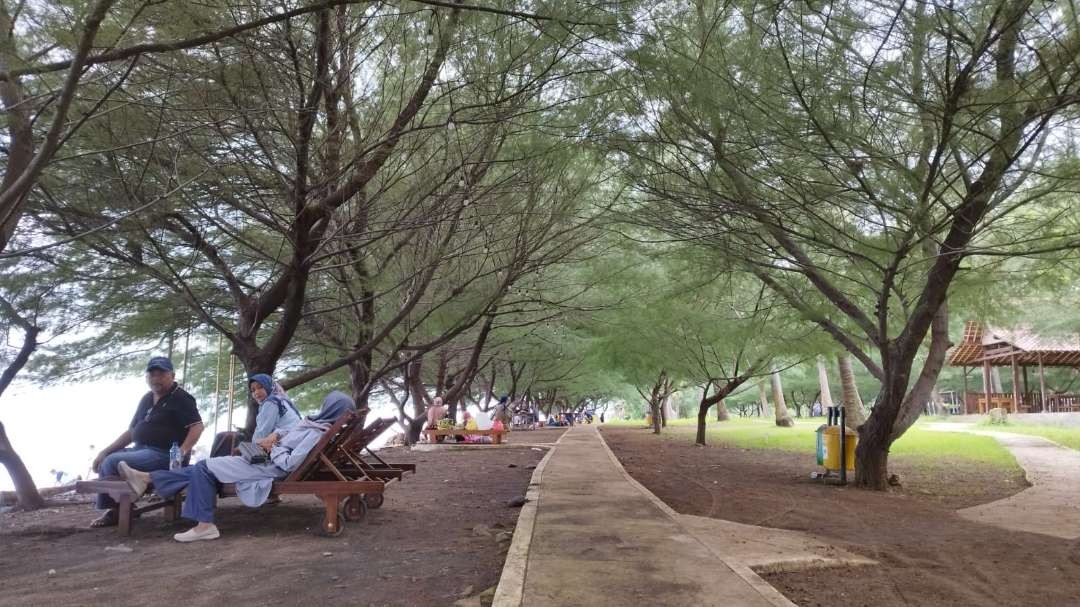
(253, 481)
(277, 414)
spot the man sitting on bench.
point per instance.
(253, 481)
(166, 415)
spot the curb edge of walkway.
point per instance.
(766, 590)
(511, 588)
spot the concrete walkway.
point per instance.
(1051, 506)
(593, 536)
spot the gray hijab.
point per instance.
(336, 404)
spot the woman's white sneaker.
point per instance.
(192, 535)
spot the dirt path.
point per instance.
(1051, 506)
(928, 554)
(435, 540)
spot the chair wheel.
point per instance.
(374, 500)
(340, 527)
(356, 508)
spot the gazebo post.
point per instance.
(1015, 383)
(986, 385)
(1042, 386)
(965, 390)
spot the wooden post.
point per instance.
(1042, 386)
(217, 384)
(1015, 383)
(1026, 394)
(986, 386)
(187, 347)
(963, 400)
(231, 387)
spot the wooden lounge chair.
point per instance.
(318, 475)
(351, 461)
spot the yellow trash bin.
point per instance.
(648, 419)
(831, 437)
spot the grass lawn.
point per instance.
(916, 444)
(1065, 436)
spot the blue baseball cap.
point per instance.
(159, 362)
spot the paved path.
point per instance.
(1051, 506)
(598, 539)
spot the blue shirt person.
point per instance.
(165, 415)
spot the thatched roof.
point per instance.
(998, 346)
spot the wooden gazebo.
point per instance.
(984, 346)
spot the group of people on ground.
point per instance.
(569, 418)
(167, 416)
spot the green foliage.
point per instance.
(572, 182)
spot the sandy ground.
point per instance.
(441, 535)
(929, 555)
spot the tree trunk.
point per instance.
(420, 398)
(722, 414)
(670, 411)
(702, 419)
(795, 404)
(359, 374)
(939, 403)
(783, 419)
(823, 384)
(654, 406)
(853, 404)
(656, 401)
(25, 489)
(702, 414)
(763, 400)
(664, 411)
(872, 461)
(441, 382)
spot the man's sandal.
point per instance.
(111, 518)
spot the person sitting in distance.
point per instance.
(435, 411)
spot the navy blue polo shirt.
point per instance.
(165, 422)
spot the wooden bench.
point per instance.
(496, 435)
(118, 489)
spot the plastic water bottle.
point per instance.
(174, 457)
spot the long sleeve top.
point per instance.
(254, 481)
(276, 414)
